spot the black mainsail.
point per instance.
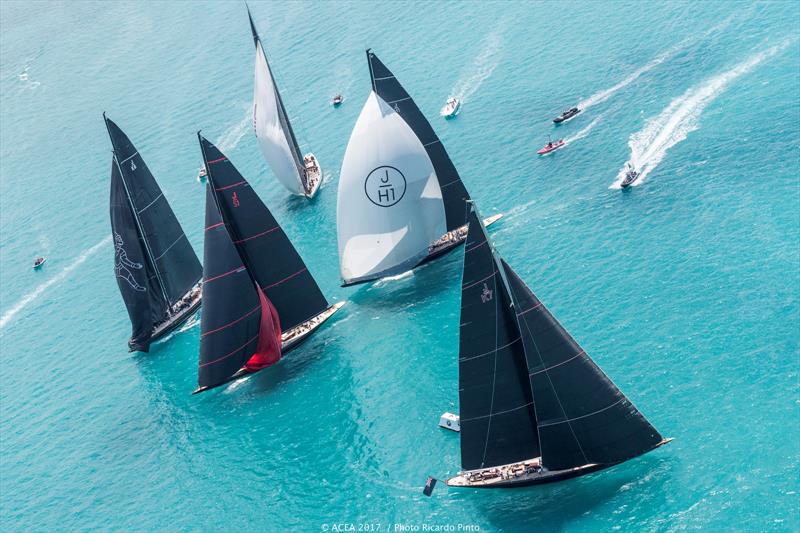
(238, 322)
(264, 247)
(148, 239)
(534, 406)
(454, 193)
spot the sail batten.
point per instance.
(567, 412)
(275, 266)
(454, 193)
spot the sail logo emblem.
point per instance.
(235, 200)
(385, 186)
(133, 166)
(122, 264)
(486, 295)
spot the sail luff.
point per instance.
(135, 212)
(454, 193)
(498, 421)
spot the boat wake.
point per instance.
(35, 293)
(230, 138)
(481, 68)
(671, 126)
(605, 94)
(582, 133)
(388, 279)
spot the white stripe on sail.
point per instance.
(389, 207)
(271, 138)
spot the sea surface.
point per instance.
(685, 289)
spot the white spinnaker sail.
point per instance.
(389, 207)
(270, 134)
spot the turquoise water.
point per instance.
(685, 289)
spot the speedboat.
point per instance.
(630, 177)
(337, 100)
(566, 115)
(201, 174)
(451, 108)
(38, 262)
(551, 147)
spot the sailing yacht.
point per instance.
(256, 286)
(534, 406)
(400, 201)
(157, 271)
(300, 174)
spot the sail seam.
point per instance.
(287, 278)
(229, 354)
(474, 246)
(432, 142)
(400, 100)
(498, 413)
(212, 226)
(130, 156)
(559, 364)
(537, 306)
(229, 324)
(384, 78)
(470, 358)
(582, 416)
(255, 236)
(231, 186)
(182, 236)
(151, 203)
(465, 287)
(217, 160)
(234, 271)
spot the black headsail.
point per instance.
(262, 244)
(135, 274)
(176, 266)
(498, 422)
(231, 325)
(454, 194)
(512, 351)
(282, 116)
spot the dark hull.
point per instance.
(545, 477)
(173, 324)
(559, 120)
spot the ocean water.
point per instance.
(684, 289)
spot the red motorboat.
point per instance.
(551, 146)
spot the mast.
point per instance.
(146, 242)
(454, 193)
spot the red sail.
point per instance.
(268, 349)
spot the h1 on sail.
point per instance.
(301, 175)
(534, 407)
(401, 201)
(157, 271)
(256, 285)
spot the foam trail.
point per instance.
(481, 68)
(231, 137)
(582, 133)
(671, 126)
(605, 94)
(34, 294)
